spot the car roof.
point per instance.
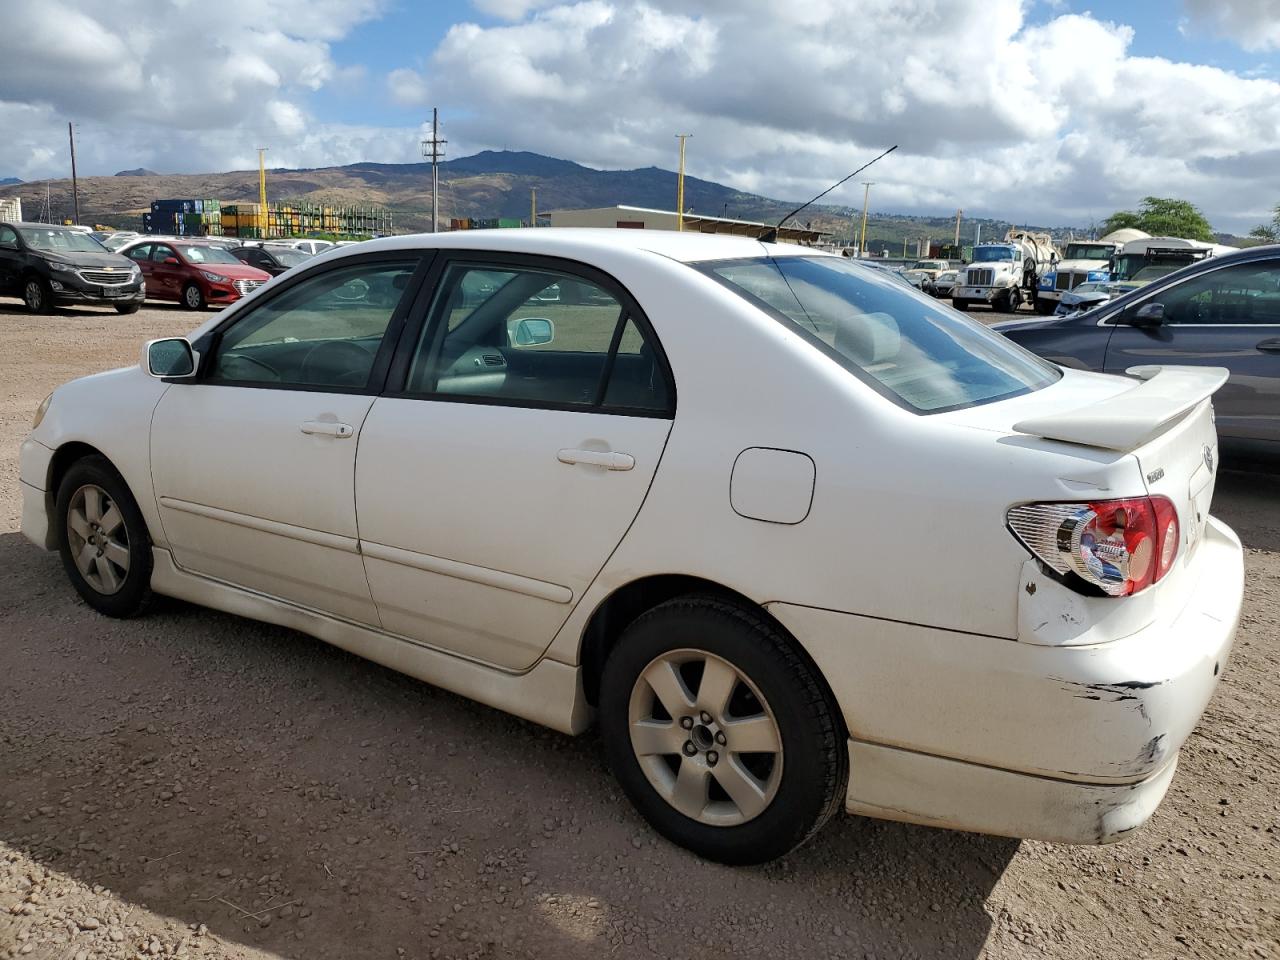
(686, 247)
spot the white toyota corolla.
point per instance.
(797, 535)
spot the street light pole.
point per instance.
(682, 137)
(866, 196)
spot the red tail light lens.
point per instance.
(1118, 546)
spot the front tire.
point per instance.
(103, 539)
(36, 296)
(723, 737)
(193, 297)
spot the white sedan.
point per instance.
(798, 537)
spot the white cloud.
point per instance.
(1254, 24)
(1055, 122)
(1051, 121)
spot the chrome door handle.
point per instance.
(1270, 346)
(327, 428)
(597, 458)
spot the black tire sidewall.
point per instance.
(803, 800)
(132, 598)
(46, 295)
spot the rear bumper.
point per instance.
(1067, 743)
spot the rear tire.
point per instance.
(679, 766)
(193, 297)
(103, 539)
(36, 295)
(125, 308)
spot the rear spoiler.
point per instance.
(1128, 420)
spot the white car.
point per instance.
(799, 537)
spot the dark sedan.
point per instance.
(1219, 312)
(274, 260)
(49, 266)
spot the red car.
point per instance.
(195, 274)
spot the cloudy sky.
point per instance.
(1049, 111)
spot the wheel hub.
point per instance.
(701, 748)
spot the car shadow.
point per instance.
(226, 772)
(1247, 497)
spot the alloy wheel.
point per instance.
(98, 538)
(705, 737)
(193, 297)
(34, 296)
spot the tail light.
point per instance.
(1118, 546)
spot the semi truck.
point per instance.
(1084, 261)
(1003, 275)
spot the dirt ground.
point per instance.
(196, 784)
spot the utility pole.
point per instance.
(433, 150)
(682, 137)
(263, 220)
(75, 185)
(957, 242)
(533, 206)
(866, 196)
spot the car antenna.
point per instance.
(771, 235)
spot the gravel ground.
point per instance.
(196, 784)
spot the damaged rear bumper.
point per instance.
(1067, 743)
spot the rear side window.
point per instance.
(920, 355)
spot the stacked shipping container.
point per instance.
(182, 218)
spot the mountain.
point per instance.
(487, 184)
(9, 181)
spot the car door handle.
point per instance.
(327, 428)
(1270, 346)
(597, 458)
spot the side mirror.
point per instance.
(172, 262)
(533, 331)
(171, 357)
(1147, 315)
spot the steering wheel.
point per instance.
(328, 356)
(245, 358)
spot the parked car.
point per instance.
(1219, 312)
(273, 259)
(308, 246)
(194, 273)
(50, 266)
(1085, 296)
(944, 283)
(931, 268)
(921, 555)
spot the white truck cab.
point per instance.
(1085, 261)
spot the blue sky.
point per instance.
(1049, 111)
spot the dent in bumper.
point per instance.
(916, 788)
(1113, 711)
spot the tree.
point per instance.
(1163, 217)
(1268, 232)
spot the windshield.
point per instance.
(57, 240)
(920, 355)
(1088, 251)
(203, 254)
(991, 254)
(927, 265)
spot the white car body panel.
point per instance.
(481, 487)
(955, 660)
(245, 496)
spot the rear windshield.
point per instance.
(923, 356)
